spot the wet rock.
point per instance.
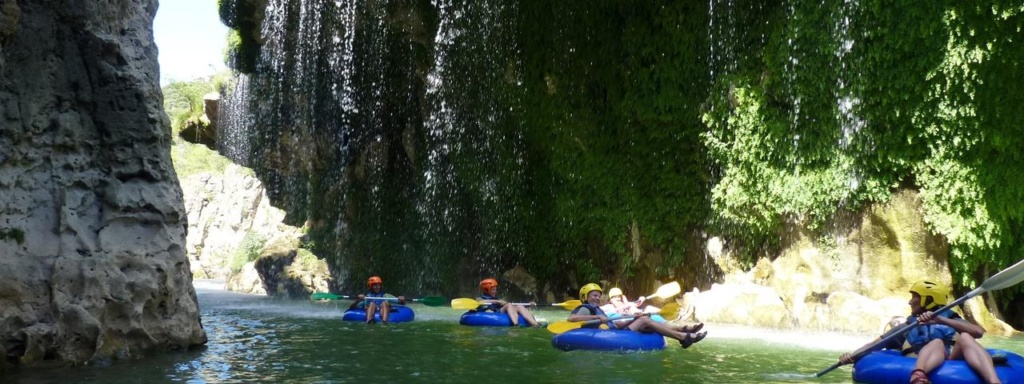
(92, 265)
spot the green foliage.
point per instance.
(306, 260)
(922, 105)
(192, 159)
(16, 234)
(183, 102)
(241, 52)
(248, 250)
(242, 49)
(566, 138)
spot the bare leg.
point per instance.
(931, 356)
(968, 349)
(527, 315)
(371, 308)
(646, 325)
(385, 311)
(512, 313)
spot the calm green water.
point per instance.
(255, 339)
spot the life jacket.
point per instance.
(594, 311)
(368, 296)
(923, 334)
(493, 307)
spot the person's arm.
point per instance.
(500, 302)
(576, 316)
(401, 300)
(359, 299)
(847, 358)
(958, 323)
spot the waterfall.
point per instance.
(440, 141)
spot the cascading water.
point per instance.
(348, 98)
(444, 141)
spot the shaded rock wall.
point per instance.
(92, 258)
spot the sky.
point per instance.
(190, 38)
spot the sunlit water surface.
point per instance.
(257, 339)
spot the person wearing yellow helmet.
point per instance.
(590, 295)
(489, 295)
(366, 300)
(939, 337)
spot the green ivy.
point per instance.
(568, 139)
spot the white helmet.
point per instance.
(614, 292)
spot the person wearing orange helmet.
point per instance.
(590, 295)
(939, 337)
(489, 296)
(372, 305)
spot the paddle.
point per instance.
(467, 304)
(1007, 278)
(670, 311)
(565, 325)
(430, 301)
(666, 291)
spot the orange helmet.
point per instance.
(487, 284)
(374, 280)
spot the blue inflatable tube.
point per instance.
(489, 319)
(608, 340)
(888, 366)
(399, 314)
(655, 317)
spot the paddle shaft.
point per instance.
(337, 297)
(624, 318)
(1006, 278)
(901, 330)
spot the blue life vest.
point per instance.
(595, 311)
(493, 307)
(922, 334)
(369, 296)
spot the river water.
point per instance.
(257, 339)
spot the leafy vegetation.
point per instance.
(183, 102)
(248, 250)
(15, 234)
(242, 49)
(609, 140)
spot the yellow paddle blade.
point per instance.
(667, 290)
(569, 305)
(464, 304)
(563, 326)
(670, 311)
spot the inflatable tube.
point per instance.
(889, 366)
(489, 319)
(399, 314)
(608, 340)
(655, 317)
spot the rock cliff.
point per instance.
(92, 224)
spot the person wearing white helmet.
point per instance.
(940, 337)
(590, 295)
(618, 303)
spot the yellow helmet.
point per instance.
(586, 289)
(614, 292)
(938, 292)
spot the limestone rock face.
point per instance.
(291, 272)
(92, 224)
(855, 281)
(222, 210)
